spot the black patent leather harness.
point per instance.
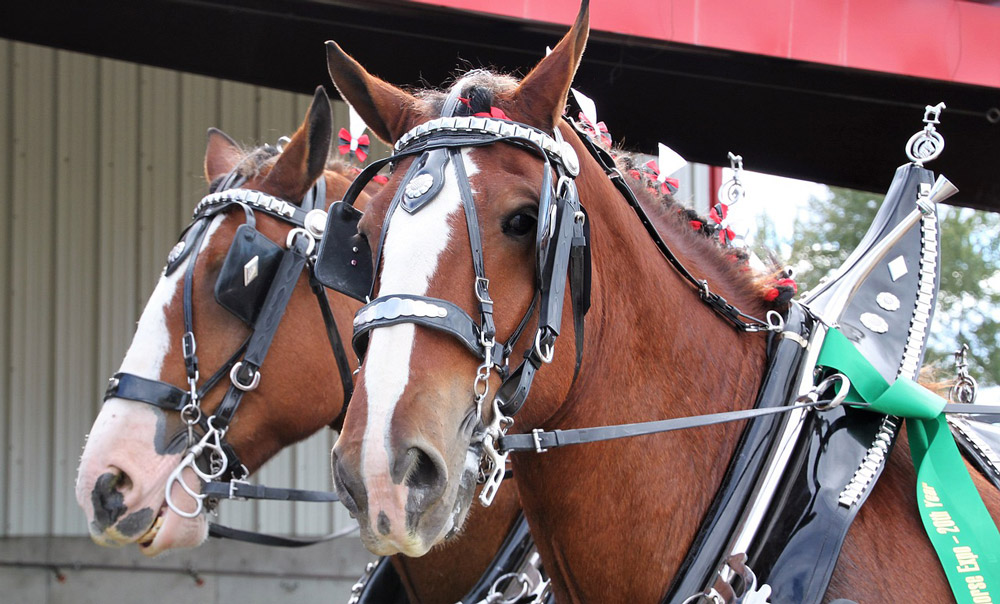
(225, 469)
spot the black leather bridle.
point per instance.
(211, 457)
(562, 249)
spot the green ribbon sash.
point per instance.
(956, 520)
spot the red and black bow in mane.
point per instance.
(361, 150)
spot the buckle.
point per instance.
(188, 345)
(536, 437)
(483, 290)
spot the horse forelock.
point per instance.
(485, 84)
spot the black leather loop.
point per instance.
(154, 392)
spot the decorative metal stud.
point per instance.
(898, 268)
(250, 271)
(887, 301)
(569, 159)
(175, 252)
(315, 223)
(418, 185)
(874, 322)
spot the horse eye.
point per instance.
(519, 224)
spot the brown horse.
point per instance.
(134, 446)
(612, 520)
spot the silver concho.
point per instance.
(887, 301)
(418, 185)
(250, 271)
(569, 159)
(874, 322)
(315, 223)
(175, 252)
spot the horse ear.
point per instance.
(386, 110)
(221, 155)
(304, 157)
(542, 93)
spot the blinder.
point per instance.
(247, 273)
(344, 259)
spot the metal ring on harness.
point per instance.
(546, 356)
(813, 395)
(235, 378)
(498, 597)
(301, 231)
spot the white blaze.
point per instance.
(144, 358)
(413, 245)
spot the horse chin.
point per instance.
(172, 531)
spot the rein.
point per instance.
(212, 451)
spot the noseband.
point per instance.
(255, 283)
(561, 248)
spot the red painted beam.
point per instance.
(949, 40)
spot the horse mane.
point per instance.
(670, 215)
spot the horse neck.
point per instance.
(653, 350)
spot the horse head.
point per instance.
(134, 447)
(456, 235)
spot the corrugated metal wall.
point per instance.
(101, 166)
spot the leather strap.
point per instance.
(336, 344)
(154, 392)
(408, 308)
(244, 490)
(538, 440)
(225, 532)
(292, 263)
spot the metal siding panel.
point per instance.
(238, 104)
(312, 471)
(6, 159)
(31, 287)
(276, 516)
(199, 101)
(159, 225)
(278, 116)
(118, 190)
(77, 384)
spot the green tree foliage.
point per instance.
(969, 298)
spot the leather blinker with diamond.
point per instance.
(247, 273)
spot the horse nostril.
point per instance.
(108, 497)
(422, 470)
(349, 487)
